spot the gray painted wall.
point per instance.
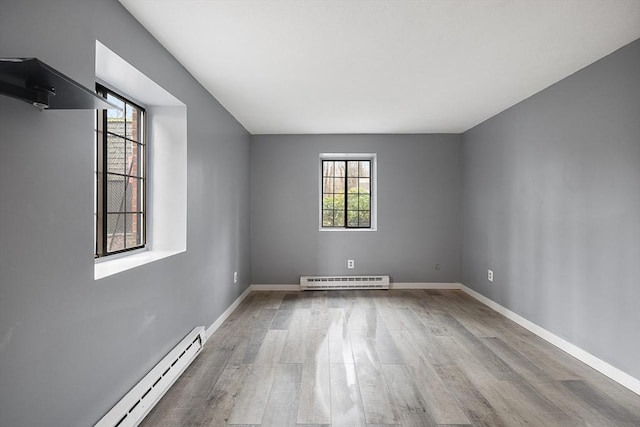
(418, 209)
(551, 203)
(70, 347)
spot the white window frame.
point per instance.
(373, 158)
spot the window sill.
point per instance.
(114, 266)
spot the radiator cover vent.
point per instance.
(136, 404)
(343, 282)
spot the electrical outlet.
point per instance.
(490, 275)
(437, 267)
(351, 263)
(235, 277)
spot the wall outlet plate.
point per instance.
(351, 263)
(490, 275)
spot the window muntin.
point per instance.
(346, 193)
(121, 176)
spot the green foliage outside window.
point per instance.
(358, 209)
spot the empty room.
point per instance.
(319, 213)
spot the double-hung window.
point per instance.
(347, 196)
(120, 176)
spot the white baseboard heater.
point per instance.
(308, 283)
(135, 405)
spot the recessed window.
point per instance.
(347, 196)
(120, 176)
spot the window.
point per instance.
(347, 199)
(120, 176)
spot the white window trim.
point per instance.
(373, 157)
(167, 164)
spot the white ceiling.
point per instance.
(382, 66)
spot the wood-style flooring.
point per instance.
(385, 358)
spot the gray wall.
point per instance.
(418, 209)
(70, 347)
(551, 203)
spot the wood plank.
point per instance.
(514, 401)
(431, 348)
(384, 345)
(602, 404)
(376, 397)
(252, 399)
(271, 299)
(440, 402)
(282, 406)
(410, 407)
(294, 345)
(315, 389)
(346, 403)
(222, 399)
(483, 354)
(525, 367)
(281, 319)
(475, 406)
(435, 323)
(339, 342)
(396, 317)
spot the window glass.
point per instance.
(120, 176)
(346, 193)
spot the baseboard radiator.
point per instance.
(135, 405)
(308, 283)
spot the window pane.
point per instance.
(352, 185)
(340, 168)
(133, 122)
(338, 218)
(115, 193)
(352, 218)
(352, 168)
(122, 148)
(115, 118)
(327, 185)
(327, 168)
(352, 201)
(365, 220)
(364, 185)
(133, 230)
(364, 169)
(112, 112)
(338, 202)
(338, 185)
(133, 200)
(133, 159)
(364, 201)
(115, 232)
(327, 201)
(327, 218)
(115, 154)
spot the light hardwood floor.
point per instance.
(385, 358)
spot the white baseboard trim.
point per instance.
(425, 285)
(393, 285)
(215, 325)
(599, 365)
(274, 287)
